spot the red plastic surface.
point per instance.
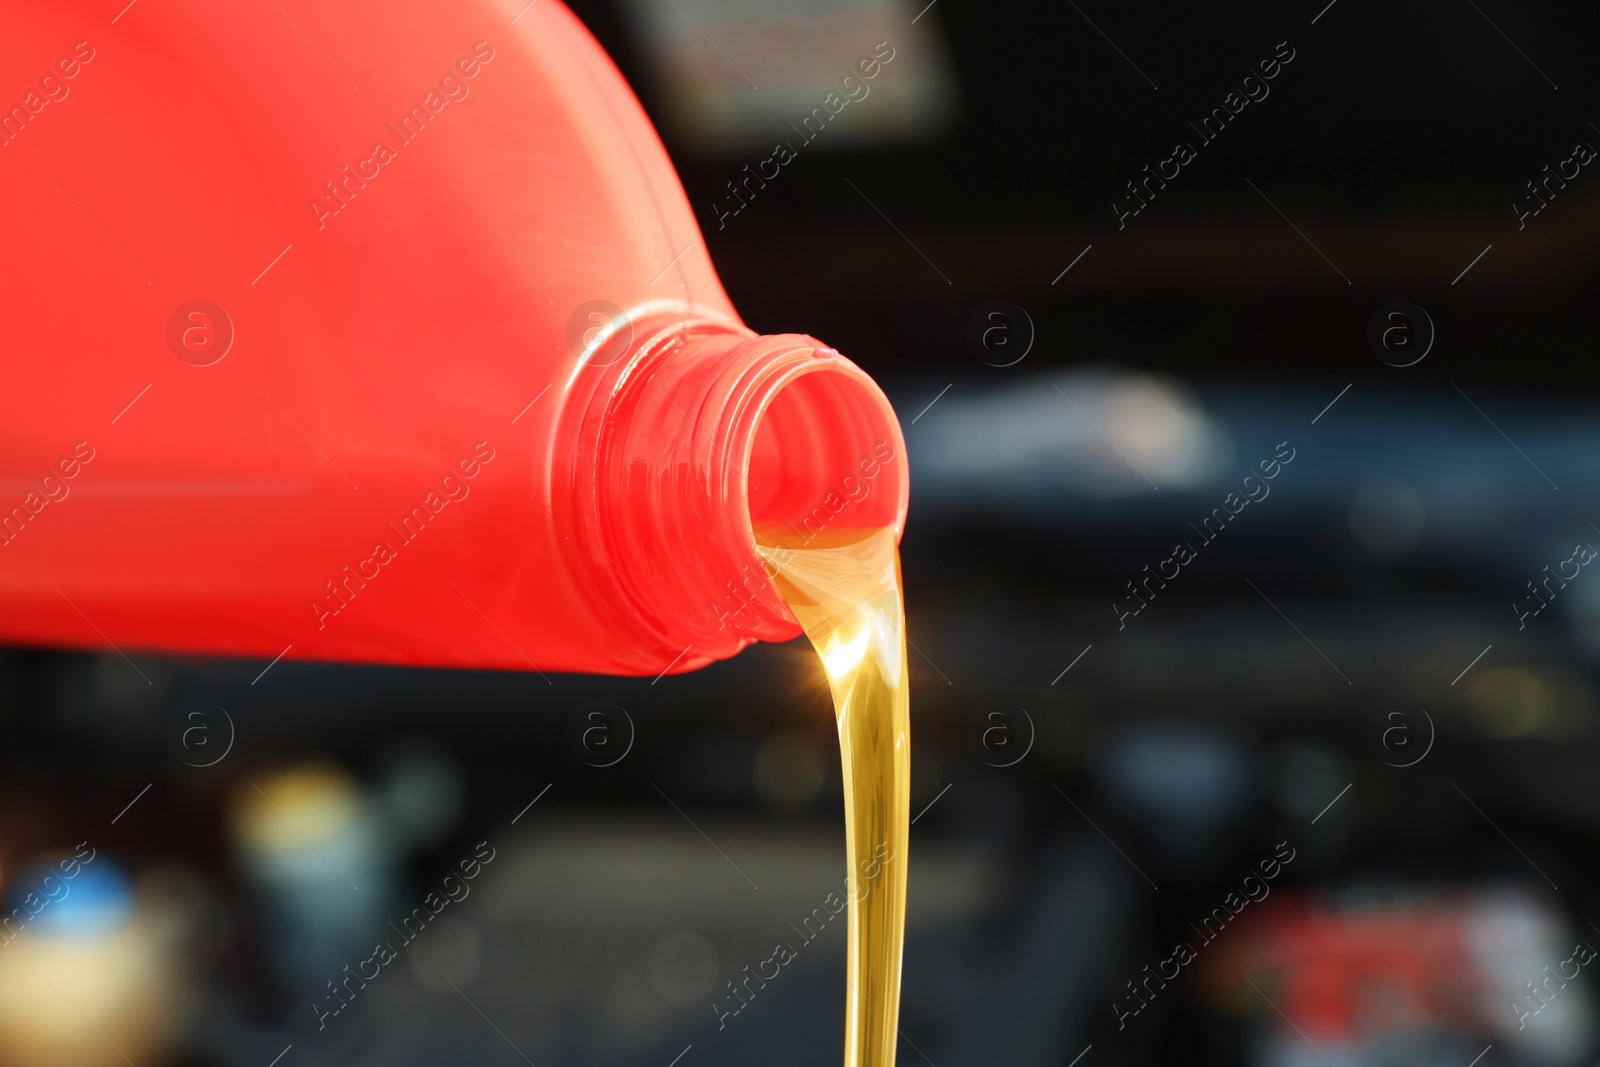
(361, 445)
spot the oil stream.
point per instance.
(845, 591)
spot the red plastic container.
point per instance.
(380, 332)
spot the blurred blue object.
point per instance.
(97, 902)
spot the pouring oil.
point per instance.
(844, 588)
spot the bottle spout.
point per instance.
(702, 437)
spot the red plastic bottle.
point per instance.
(301, 354)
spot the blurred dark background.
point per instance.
(1344, 750)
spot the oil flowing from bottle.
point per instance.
(844, 589)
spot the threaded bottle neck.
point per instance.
(683, 449)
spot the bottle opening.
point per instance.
(827, 456)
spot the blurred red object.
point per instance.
(1339, 973)
(1360, 967)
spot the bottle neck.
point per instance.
(681, 451)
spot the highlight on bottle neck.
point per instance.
(701, 434)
